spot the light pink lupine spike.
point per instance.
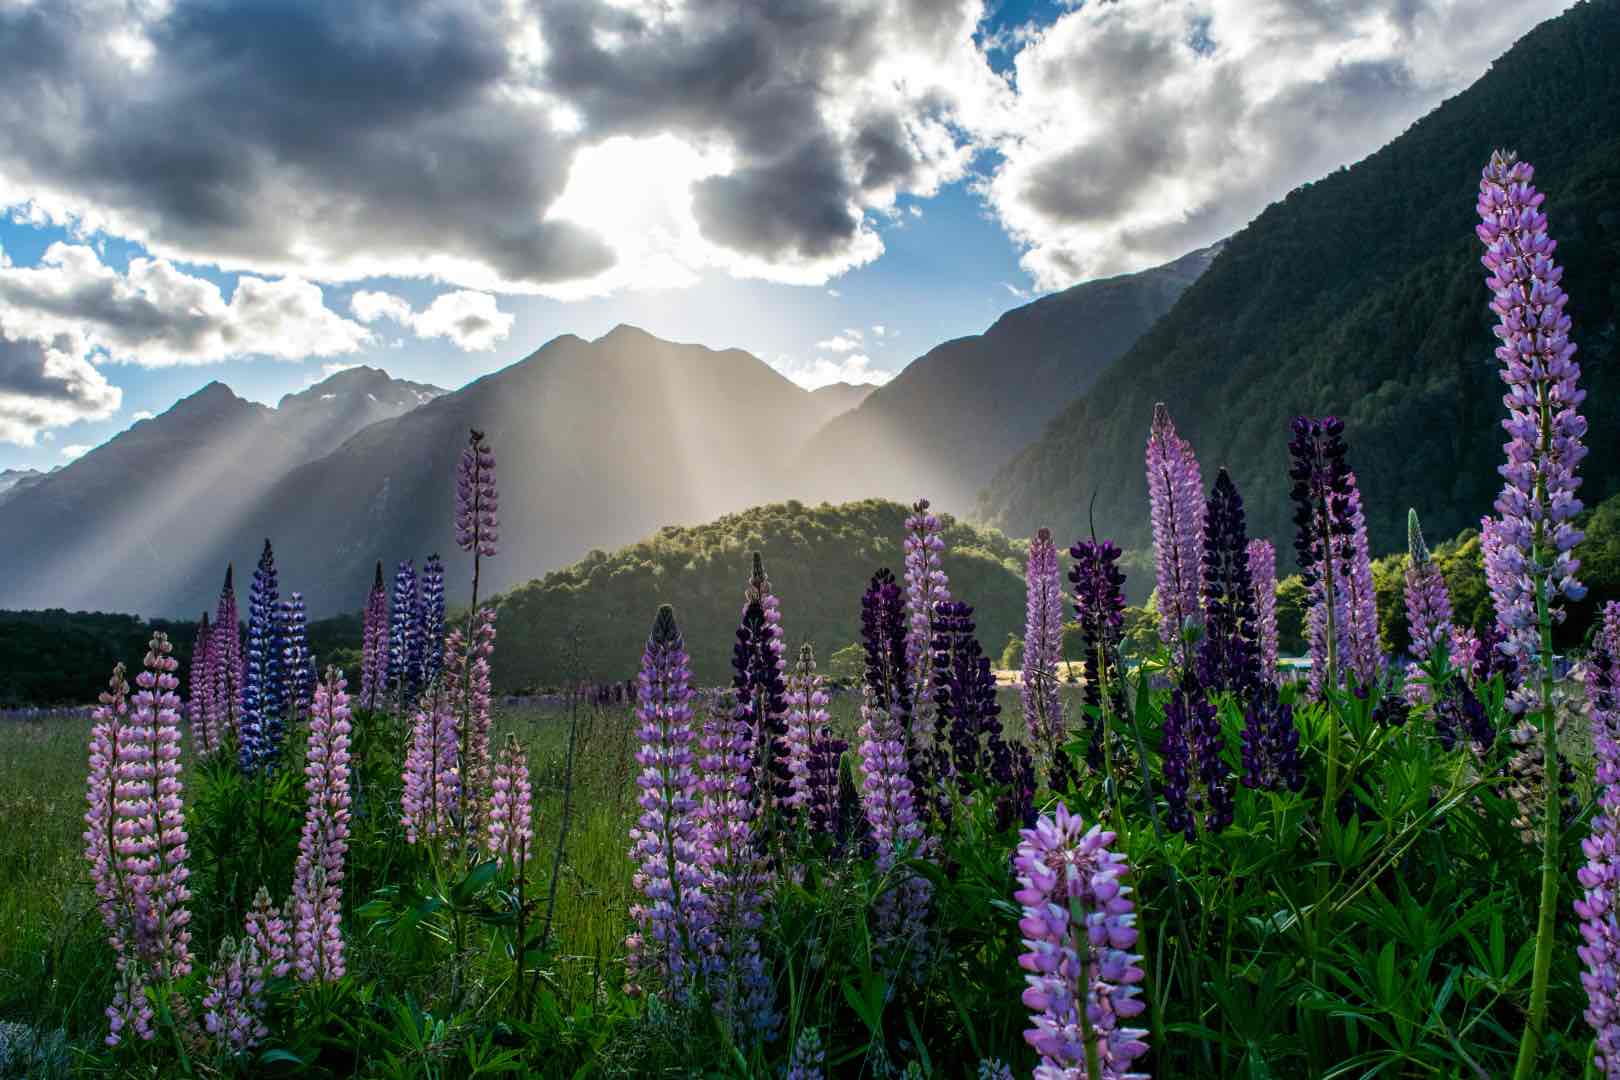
(1176, 507)
(1263, 572)
(511, 807)
(318, 873)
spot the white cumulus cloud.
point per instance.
(472, 321)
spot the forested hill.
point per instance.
(819, 559)
(1362, 295)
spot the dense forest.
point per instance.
(1362, 295)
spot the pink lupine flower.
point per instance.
(266, 927)
(468, 682)
(374, 643)
(1600, 876)
(156, 862)
(318, 874)
(233, 1008)
(477, 501)
(511, 807)
(1176, 500)
(1263, 571)
(432, 786)
(1365, 660)
(1043, 646)
(1079, 925)
(225, 641)
(129, 1008)
(200, 704)
(926, 588)
(806, 718)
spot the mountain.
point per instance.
(819, 560)
(121, 527)
(597, 443)
(954, 415)
(1362, 295)
(13, 481)
(838, 398)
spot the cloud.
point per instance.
(142, 414)
(819, 371)
(470, 320)
(48, 385)
(879, 329)
(156, 315)
(1145, 130)
(76, 450)
(848, 341)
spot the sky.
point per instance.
(264, 191)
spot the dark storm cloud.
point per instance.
(797, 205)
(258, 129)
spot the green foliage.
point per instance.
(1361, 294)
(1012, 653)
(819, 560)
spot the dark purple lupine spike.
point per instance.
(1099, 606)
(761, 686)
(430, 630)
(965, 700)
(297, 662)
(262, 683)
(1196, 779)
(1321, 489)
(227, 658)
(1271, 743)
(205, 735)
(402, 623)
(374, 643)
(1229, 654)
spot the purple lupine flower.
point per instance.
(1043, 647)
(735, 876)
(889, 793)
(1322, 483)
(233, 1007)
(1535, 545)
(318, 873)
(225, 643)
(117, 758)
(994, 1069)
(807, 720)
(205, 735)
(1176, 498)
(1271, 743)
(374, 643)
(156, 707)
(926, 588)
(1263, 577)
(761, 690)
(1600, 876)
(430, 633)
(298, 663)
(809, 1058)
(1079, 926)
(1364, 661)
(1099, 606)
(669, 915)
(267, 928)
(404, 661)
(431, 793)
(965, 700)
(467, 676)
(1229, 654)
(511, 807)
(129, 1007)
(477, 506)
(1428, 611)
(262, 725)
(1196, 779)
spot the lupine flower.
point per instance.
(889, 795)
(1428, 610)
(267, 928)
(225, 641)
(262, 682)
(1263, 578)
(205, 734)
(374, 643)
(511, 807)
(1322, 484)
(233, 1007)
(298, 663)
(965, 697)
(318, 873)
(809, 1058)
(807, 718)
(404, 660)
(735, 878)
(1229, 654)
(1364, 659)
(1600, 876)
(468, 682)
(130, 1007)
(1271, 743)
(1043, 647)
(666, 839)
(1099, 606)
(1196, 779)
(1079, 925)
(1535, 543)
(430, 633)
(994, 1069)
(431, 794)
(1176, 500)
(477, 501)
(761, 690)
(118, 756)
(926, 587)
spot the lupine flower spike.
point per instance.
(431, 629)
(477, 505)
(807, 720)
(926, 588)
(262, 682)
(225, 643)
(431, 795)
(1229, 654)
(403, 658)
(374, 643)
(1600, 876)
(1532, 565)
(1079, 926)
(318, 873)
(1176, 500)
(1428, 611)
(1099, 607)
(511, 807)
(469, 696)
(665, 949)
(267, 928)
(1322, 484)
(809, 1058)
(1263, 576)
(298, 663)
(233, 1006)
(1043, 648)
(205, 735)
(758, 679)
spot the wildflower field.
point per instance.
(1184, 865)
